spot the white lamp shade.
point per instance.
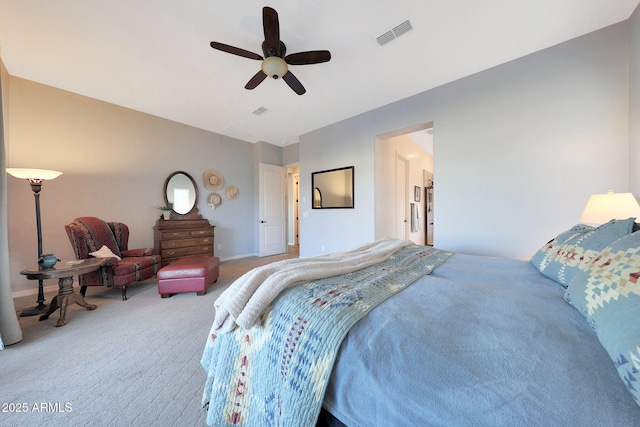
(602, 208)
(39, 174)
(274, 66)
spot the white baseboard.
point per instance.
(244, 255)
(237, 256)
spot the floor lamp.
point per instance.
(35, 178)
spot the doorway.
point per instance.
(404, 174)
(293, 206)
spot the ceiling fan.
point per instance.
(274, 63)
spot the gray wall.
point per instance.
(291, 154)
(518, 149)
(114, 163)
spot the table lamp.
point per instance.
(602, 208)
(35, 178)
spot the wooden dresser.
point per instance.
(175, 239)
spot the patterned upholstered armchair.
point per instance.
(90, 234)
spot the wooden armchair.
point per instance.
(90, 234)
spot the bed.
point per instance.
(475, 340)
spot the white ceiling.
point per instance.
(154, 55)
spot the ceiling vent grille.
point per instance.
(394, 33)
(258, 111)
(385, 38)
(403, 28)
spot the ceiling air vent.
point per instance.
(394, 33)
(258, 111)
(385, 38)
(403, 28)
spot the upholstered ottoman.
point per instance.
(192, 274)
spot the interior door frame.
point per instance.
(402, 200)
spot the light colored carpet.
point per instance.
(127, 363)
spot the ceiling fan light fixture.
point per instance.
(274, 67)
(275, 62)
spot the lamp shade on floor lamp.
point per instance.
(36, 178)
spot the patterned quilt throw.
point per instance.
(276, 373)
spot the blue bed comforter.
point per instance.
(480, 341)
(275, 373)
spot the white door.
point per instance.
(272, 210)
(402, 197)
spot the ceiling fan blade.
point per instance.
(255, 80)
(236, 51)
(294, 83)
(271, 32)
(311, 57)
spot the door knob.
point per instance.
(262, 222)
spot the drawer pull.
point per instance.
(171, 252)
(171, 243)
(207, 240)
(176, 233)
(205, 249)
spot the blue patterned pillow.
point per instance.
(608, 294)
(564, 256)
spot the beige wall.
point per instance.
(114, 163)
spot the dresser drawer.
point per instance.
(182, 243)
(189, 251)
(175, 234)
(201, 233)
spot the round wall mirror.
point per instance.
(182, 192)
